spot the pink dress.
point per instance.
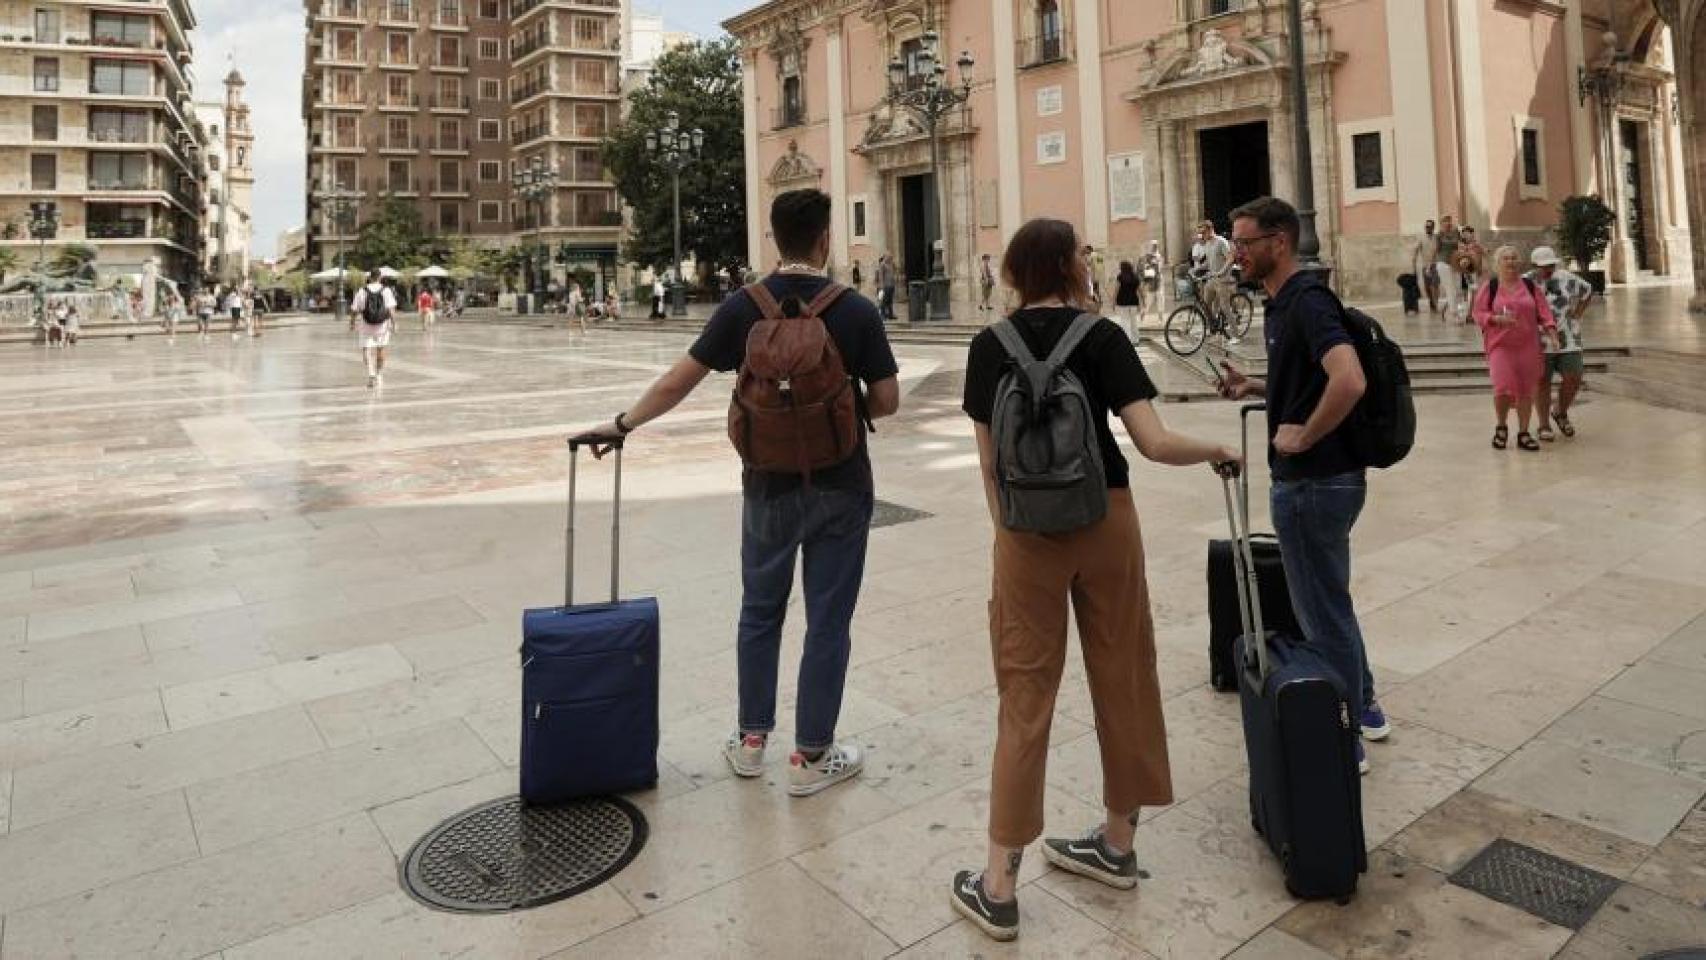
(1514, 357)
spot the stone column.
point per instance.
(1173, 192)
(840, 256)
(1093, 152)
(749, 133)
(1581, 123)
(1473, 203)
(1407, 49)
(1007, 117)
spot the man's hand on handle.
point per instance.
(602, 440)
(1234, 385)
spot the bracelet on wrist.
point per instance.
(622, 427)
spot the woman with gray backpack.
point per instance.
(1040, 387)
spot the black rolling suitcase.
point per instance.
(1225, 623)
(589, 684)
(1300, 737)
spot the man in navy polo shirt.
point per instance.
(1314, 381)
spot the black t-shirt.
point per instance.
(1303, 322)
(1125, 294)
(1105, 362)
(858, 332)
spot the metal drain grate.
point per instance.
(1549, 887)
(889, 514)
(506, 855)
(1686, 953)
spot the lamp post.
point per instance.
(535, 183)
(339, 206)
(930, 97)
(675, 149)
(44, 226)
(1308, 241)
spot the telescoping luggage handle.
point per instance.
(1243, 558)
(575, 445)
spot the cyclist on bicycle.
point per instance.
(1211, 262)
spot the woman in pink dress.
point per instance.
(1513, 316)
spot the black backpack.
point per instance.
(1381, 429)
(1048, 462)
(373, 308)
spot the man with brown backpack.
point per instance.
(815, 368)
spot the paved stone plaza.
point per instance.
(258, 631)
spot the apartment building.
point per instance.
(228, 229)
(96, 117)
(445, 102)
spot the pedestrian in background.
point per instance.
(1128, 299)
(1422, 259)
(1154, 269)
(1568, 295)
(1514, 316)
(1445, 252)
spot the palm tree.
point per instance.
(8, 262)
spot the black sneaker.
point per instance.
(1090, 857)
(998, 918)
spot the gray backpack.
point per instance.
(1048, 464)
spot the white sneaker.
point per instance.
(839, 762)
(745, 753)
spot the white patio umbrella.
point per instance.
(388, 272)
(331, 273)
(433, 272)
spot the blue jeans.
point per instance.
(829, 528)
(1313, 519)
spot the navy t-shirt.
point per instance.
(1105, 362)
(1303, 322)
(858, 332)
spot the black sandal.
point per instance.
(1565, 427)
(1501, 436)
(1526, 441)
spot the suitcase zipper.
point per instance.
(1344, 715)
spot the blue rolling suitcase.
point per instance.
(1305, 792)
(589, 684)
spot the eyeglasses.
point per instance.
(1244, 243)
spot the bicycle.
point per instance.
(1189, 326)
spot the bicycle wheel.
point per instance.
(1241, 312)
(1187, 328)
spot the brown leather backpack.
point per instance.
(795, 410)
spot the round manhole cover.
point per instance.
(507, 855)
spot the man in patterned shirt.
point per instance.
(1569, 296)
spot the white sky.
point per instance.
(265, 38)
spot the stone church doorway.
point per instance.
(1234, 167)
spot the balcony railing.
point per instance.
(403, 187)
(117, 229)
(527, 133)
(409, 102)
(519, 7)
(450, 186)
(1205, 9)
(450, 103)
(527, 91)
(442, 62)
(529, 45)
(412, 143)
(449, 144)
(1035, 51)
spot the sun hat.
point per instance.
(1544, 257)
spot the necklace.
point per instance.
(804, 268)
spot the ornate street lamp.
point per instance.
(928, 95)
(535, 184)
(338, 206)
(1308, 241)
(675, 149)
(44, 226)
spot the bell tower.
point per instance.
(239, 178)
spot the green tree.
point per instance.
(8, 262)
(1584, 228)
(701, 83)
(394, 237)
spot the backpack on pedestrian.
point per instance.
(1048, 463)
(795, 409)
(1381, 429)
(373, 306)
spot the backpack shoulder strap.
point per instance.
(1069, 341)
(1008, 334)
(1492, 291)
(764, 300)
(825, 299)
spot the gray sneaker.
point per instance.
(842, 761)
(745, 753)
(998, 918)
(1089, 856)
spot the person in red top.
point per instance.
(1513, 316)
(427, 304)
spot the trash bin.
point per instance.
(917, 301)
(941, 294)
(523, 304)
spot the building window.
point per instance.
(491, 211)
(793, 103)
(402, 9)
(111, 125)
(213, 162)
(911, 55)
(450, 135)
(491, 171)
(346, 45)
(398, 176)
(397, 48)
(121, 30)
(118, 171)
(491, 89)
(1366, 156)
(491, 130)
(450, 217)
(44, 122)
(47, 75)
(592, 208)
(589, 33)
(344, 175)
(490, 48)
(47, 26)
(860, 233)
(346, 88)
(490, 9)
(1051, 148)
(450, 52)
(589, 76)
(44, 171)
(399, 89)
(398, 132)
(450, 92)
(589, 164)
(449, 176)
(1368, 171)
(1050, 42)
(1531, 157)
(589, 119)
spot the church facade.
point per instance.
(1136, 119)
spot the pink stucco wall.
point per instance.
(1524, 71)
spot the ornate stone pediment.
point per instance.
(888, 124)
(1214, 56)
(795, 169)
